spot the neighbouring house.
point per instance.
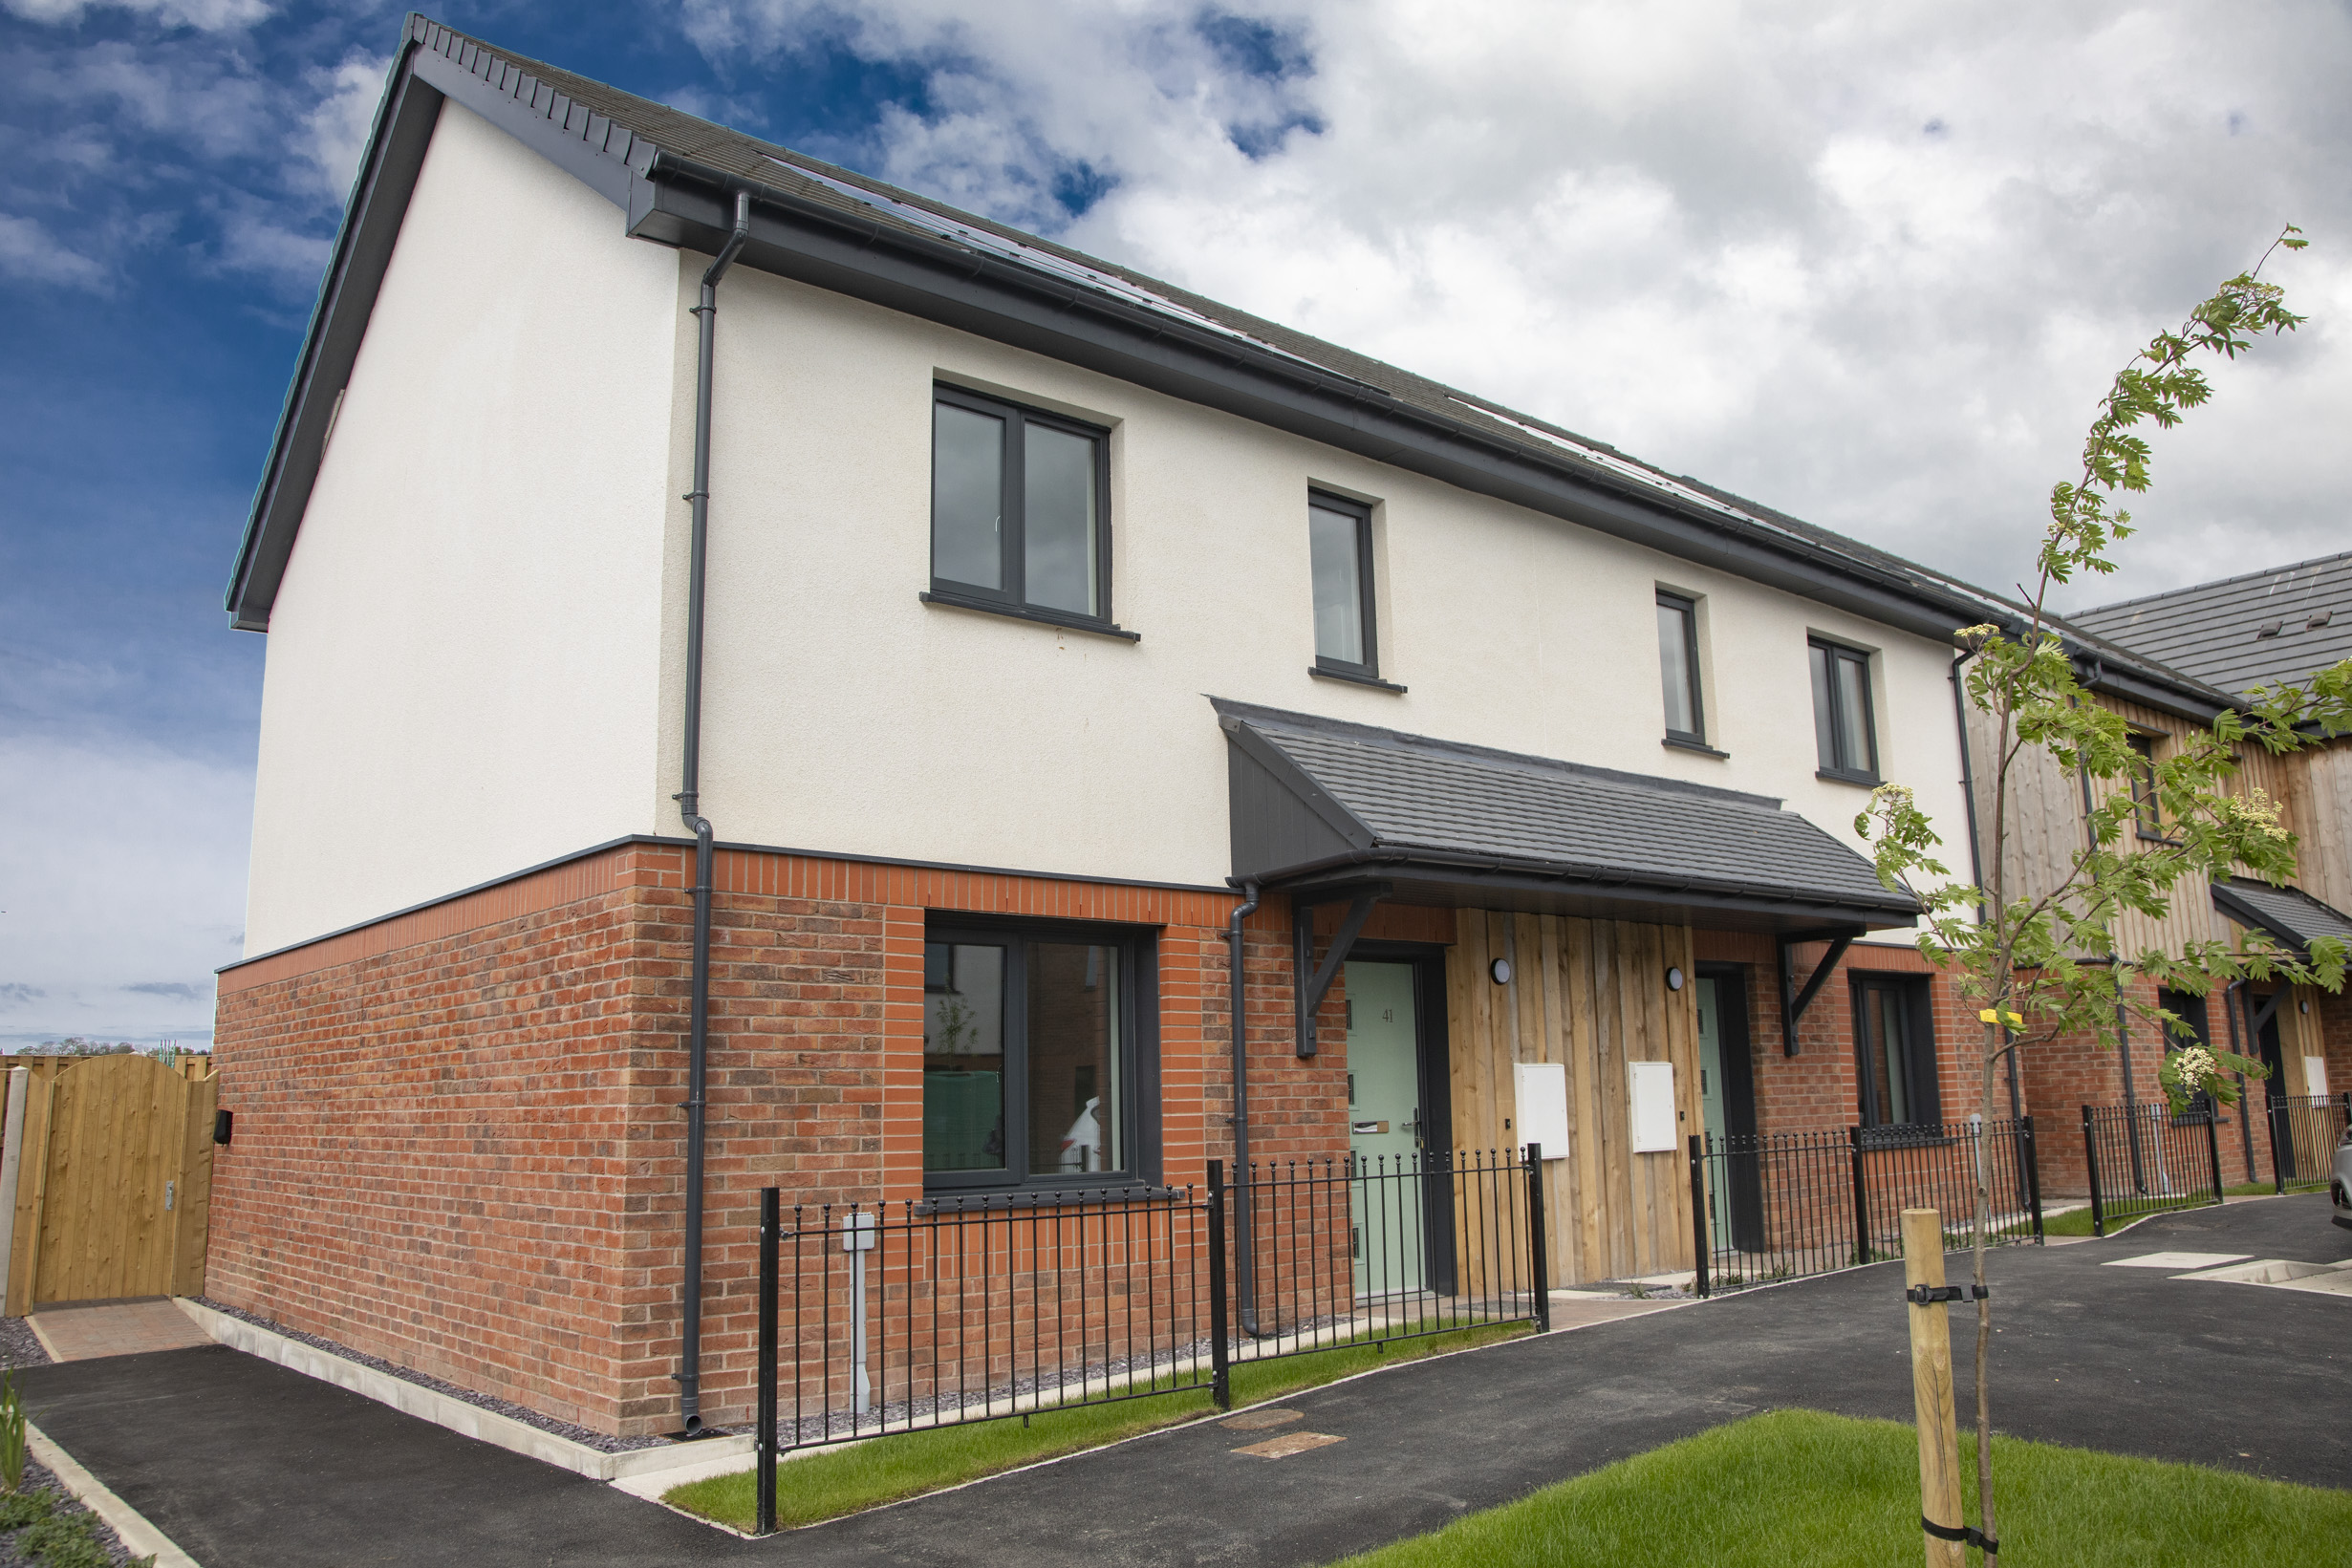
(2235, 636)
(989, 630)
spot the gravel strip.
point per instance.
(38, 1476)
(599, 1441)
(17, 1345)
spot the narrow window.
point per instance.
(1842, 729)
(1030, 1059)
(1678, 668)
(1018, 510)
(1340, 547)
(2144, 809)
(1895, 1047)
(2190, 1009)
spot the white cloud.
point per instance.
(1872, 264)
(113, 921)
(337, 129)
(28, 250)
(205, 16)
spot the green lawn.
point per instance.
(824, 1485)
(2077, 1221)
(1797, 1488)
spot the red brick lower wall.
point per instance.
(460, 1144)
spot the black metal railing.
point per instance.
(2305, 1129)
(2142, 1159)
(1790, 1204)
(1398, 1247)
(881, 1319)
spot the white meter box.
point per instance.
(1541, 1090)
(1650, 1103)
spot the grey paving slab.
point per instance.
(244, 1463)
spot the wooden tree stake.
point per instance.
(1940, 1443)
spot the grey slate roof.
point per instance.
(2242, 631)
(1385, 790)
(2290, 915)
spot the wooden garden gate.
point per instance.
(114, 1176)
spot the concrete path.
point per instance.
(114, 1328)
(244, 1463)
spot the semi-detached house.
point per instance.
(1017, 630)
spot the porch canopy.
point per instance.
(2292, 916)
(1333, 812)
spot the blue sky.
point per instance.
(1868, 264)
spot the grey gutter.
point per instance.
(1602, 881)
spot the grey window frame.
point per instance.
(1919, 1065)
(1013, 597)
(1689, 606)
(2147, 811)
(1842, 768)
(1139, 1098)
(1366, 589)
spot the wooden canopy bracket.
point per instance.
(1793, 1001)
(2270, 1009)
(1311, 982)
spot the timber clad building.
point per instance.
(1044, 620)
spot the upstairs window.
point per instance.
(1340, 544)
(1678, 668)
(1841, 730)
(2144, 810)
(1020, 508)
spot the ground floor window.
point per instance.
(1031, 1059)
(1894, 1040)
(2189, 1008)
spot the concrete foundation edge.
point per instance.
(140, 1538)
(455, 1414)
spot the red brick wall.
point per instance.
(443, 1124)
(459, 1143)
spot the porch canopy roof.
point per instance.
(2292, 916)
(1319, 808)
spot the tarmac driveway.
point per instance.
(244, 1463)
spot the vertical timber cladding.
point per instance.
(1593, 994)
(114, 1184)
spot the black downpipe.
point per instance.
(689, 800)
(1244, 1254)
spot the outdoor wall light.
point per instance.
(1500, 968)
(1673, 977)
(223, 1124)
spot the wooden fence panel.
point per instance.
(114, 1183)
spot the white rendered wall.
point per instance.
(465, 656)
(842, 714)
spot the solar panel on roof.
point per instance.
(1045, 261)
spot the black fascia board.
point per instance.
(1413, 878)
(404, 121)
(1402, 864)
(432, 64)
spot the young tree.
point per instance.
(2041, 962)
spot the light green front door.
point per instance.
(1710, 1095)
(1384, 1109)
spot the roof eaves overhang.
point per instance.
(2246, 912)
(686, 204)
(1456, 880)
(676, 201)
